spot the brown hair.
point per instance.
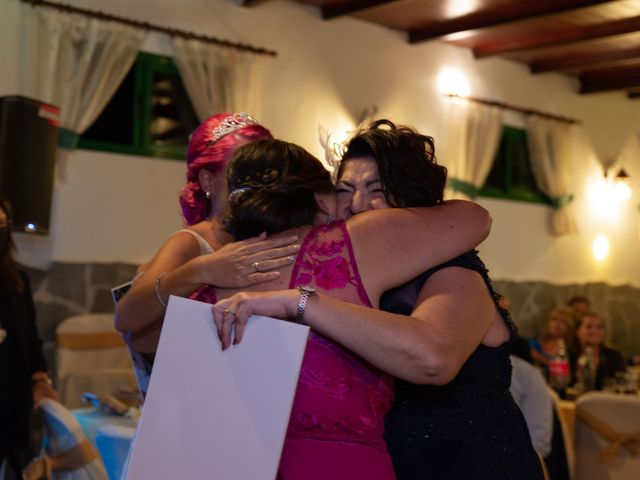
(272, 187)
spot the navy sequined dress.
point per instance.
(468, 429)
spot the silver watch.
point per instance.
(306, 292)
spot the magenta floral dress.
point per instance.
(337, 421)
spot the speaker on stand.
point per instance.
(28, 143)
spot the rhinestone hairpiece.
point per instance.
(238, 191)
(230, 124)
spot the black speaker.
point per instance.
(28, 143)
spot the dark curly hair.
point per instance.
(272, 185)
(406, 163)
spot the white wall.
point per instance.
(327, 72)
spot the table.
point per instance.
(91, 420)
(111, 435)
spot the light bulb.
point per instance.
(600, 247)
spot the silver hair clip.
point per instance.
(238, 191)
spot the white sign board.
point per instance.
(211, 414)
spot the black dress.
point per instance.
(470, 428)
(20, 356)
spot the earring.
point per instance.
(208, 195)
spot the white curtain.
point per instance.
(473, 137)
(80, 63)
(551, 148)
(218, 79)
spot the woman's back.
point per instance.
(337, 419)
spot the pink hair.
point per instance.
(202, 153)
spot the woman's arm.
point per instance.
(41, 384)
(394, 245)
(454, 313)
(181, 270)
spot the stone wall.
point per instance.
(69, 289)
(619, 306)
(73, 288)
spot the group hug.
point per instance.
(406, 372)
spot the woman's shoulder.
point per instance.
(202, 233)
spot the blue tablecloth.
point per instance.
(110, 434)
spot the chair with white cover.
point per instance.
(607, 437)
(70, 456)
(90, 357)
(564, 412)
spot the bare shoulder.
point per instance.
(178, 249)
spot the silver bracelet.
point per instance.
(162, 302)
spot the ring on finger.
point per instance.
(256, 266)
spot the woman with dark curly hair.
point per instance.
(443, 336)
(23, 369)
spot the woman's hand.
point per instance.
(42, 389)
(231, 314)
(248, 262)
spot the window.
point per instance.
(150, 113)
(511, 176)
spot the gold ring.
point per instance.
(256, 266)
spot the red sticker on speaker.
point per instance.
(50, 113)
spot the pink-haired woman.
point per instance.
(201, 254)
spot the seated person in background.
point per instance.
(531, 393)
(559, 328)
(23, 369)
(607, 360)
(580, 306)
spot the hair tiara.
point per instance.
(230, 124)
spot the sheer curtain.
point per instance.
(472, 141)
(80, 63)
(218, 79)
(551, 147)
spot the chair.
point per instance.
(607, 437)
(70, 456)
(90, 356)
(562, 457)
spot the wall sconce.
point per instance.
(453, 83)
(600, 247)
(622, 185)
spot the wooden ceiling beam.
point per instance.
(623, 78)
(509, 12)
(576, 61)
(566, 36)
(251, 3)
(345, 8)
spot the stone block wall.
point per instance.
(73, 288)
(619, 306)
(69, 289)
